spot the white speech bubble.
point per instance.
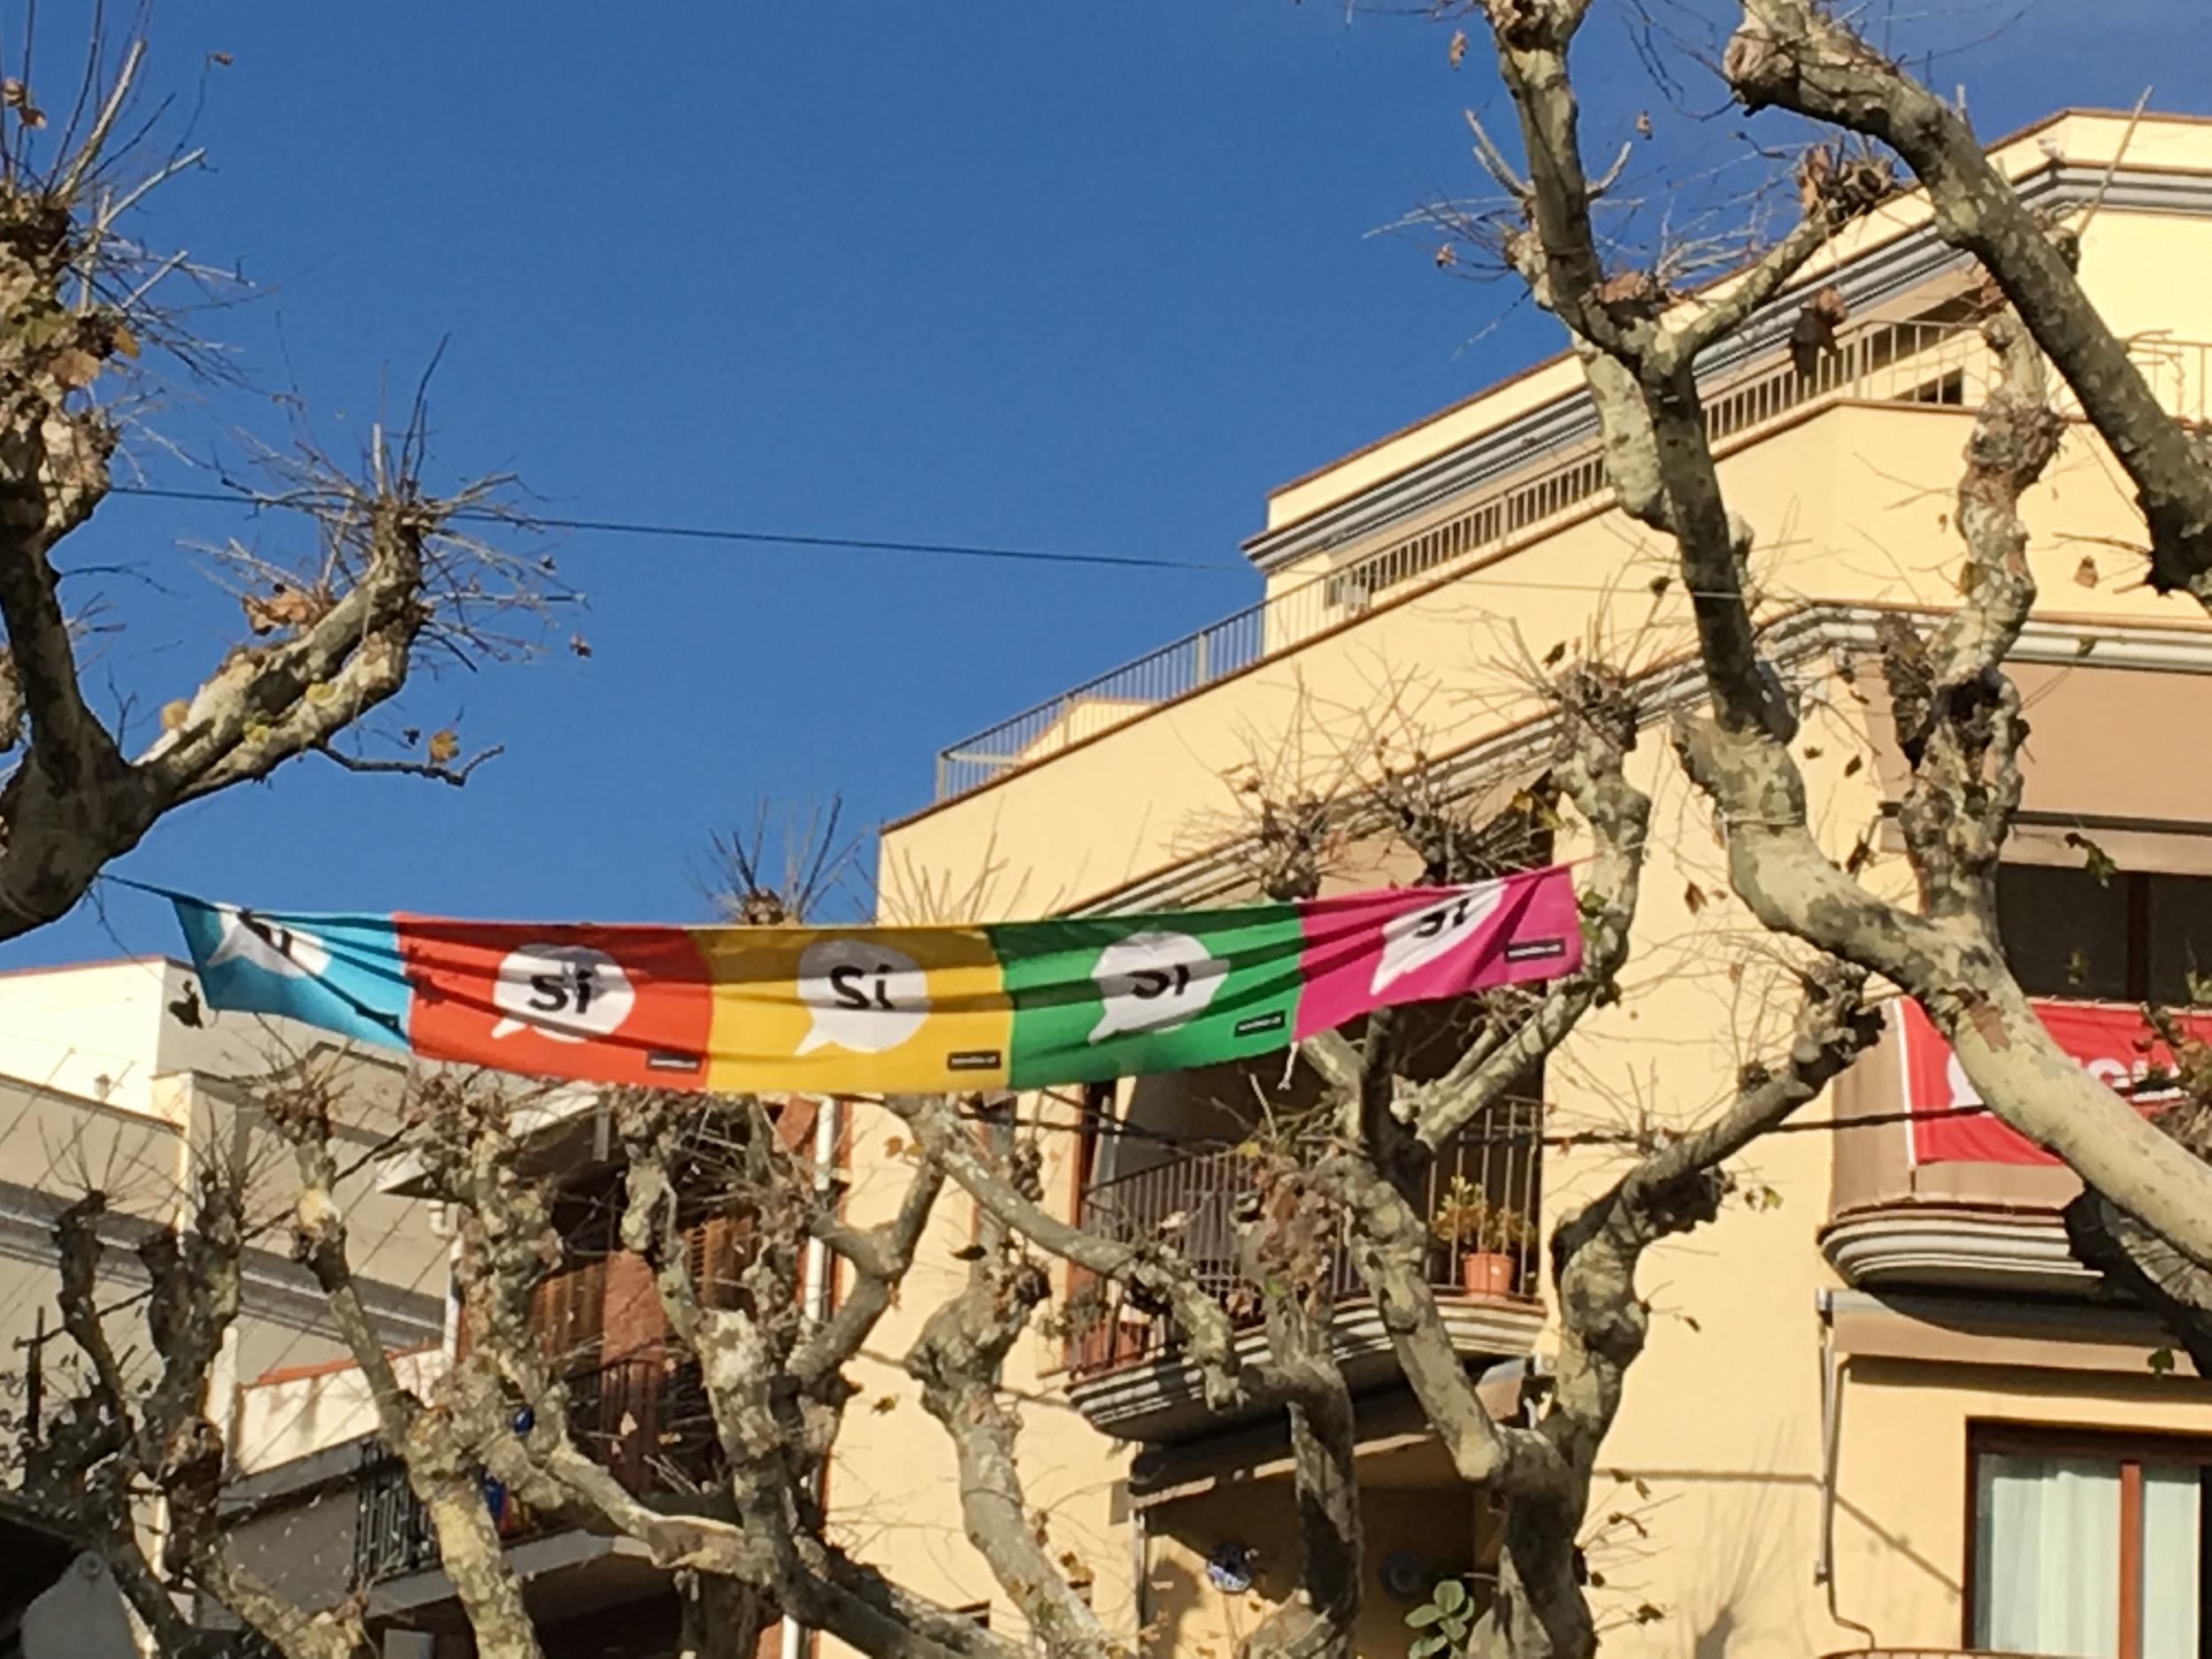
(266, 945)
(865, 997)
(1413, 940)
(1962, 1091)
(569, 992)
(1150, 981)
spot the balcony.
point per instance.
(644, 1416)
(1911, 363)
(1932, 1195)
(1127, 1376)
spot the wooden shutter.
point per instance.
(569, 1311)
(718, 1250)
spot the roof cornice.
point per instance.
(1909, 261)
(1789, 641)
(272, 1287)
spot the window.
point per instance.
(2089, 1545)
(2132, 938)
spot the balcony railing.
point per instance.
(1194, 1201)
(1901, 363)
(644, 1417)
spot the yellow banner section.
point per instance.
(864, 1010)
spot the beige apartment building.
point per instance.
(113, 1077)
(1882, 1407)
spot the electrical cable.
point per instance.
(1662, 586)
(1567, 1140)
(751, 538)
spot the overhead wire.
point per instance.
(1662, 586)
(730, 534)
(1108, 1127)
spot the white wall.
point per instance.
(279, 1421)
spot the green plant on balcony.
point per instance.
(1467, 1217)
(1488, 1237)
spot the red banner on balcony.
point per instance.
(2113, 1042)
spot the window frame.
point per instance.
(2133, 891)
(2129, 1450)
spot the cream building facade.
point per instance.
(1881, 1405)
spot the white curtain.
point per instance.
(2047, 1556)
(2172, 1505)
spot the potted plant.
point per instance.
(1488, 1237)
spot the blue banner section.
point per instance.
(341, 973)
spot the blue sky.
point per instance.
(1088, 278)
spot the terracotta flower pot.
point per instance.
(1487, 1272)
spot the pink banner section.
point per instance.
(1419, 945)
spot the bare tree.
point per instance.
(1958, 717)
(1334, 1175)
(125, 1440)
(324, 640)
(1796, 55)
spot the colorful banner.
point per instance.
(875, 1011)
(2113, 1042)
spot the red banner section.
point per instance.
(2112, 1041)
(602, 1004)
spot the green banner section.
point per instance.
(1116, 997)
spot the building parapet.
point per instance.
(1914, 362)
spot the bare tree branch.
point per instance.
(433, 770)
(1834, 189)
(396, 572)
(443, 1469)
(958, 1361)
(2106, 1237)
(1150, 1268)
(1800, 56)
(1597, 729)
(879, 1259)
(1287, 1244)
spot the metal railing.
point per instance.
(644, 1417)
(2179, 372)
(1902, 363)
(392, 1535)
(1495, 1166)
